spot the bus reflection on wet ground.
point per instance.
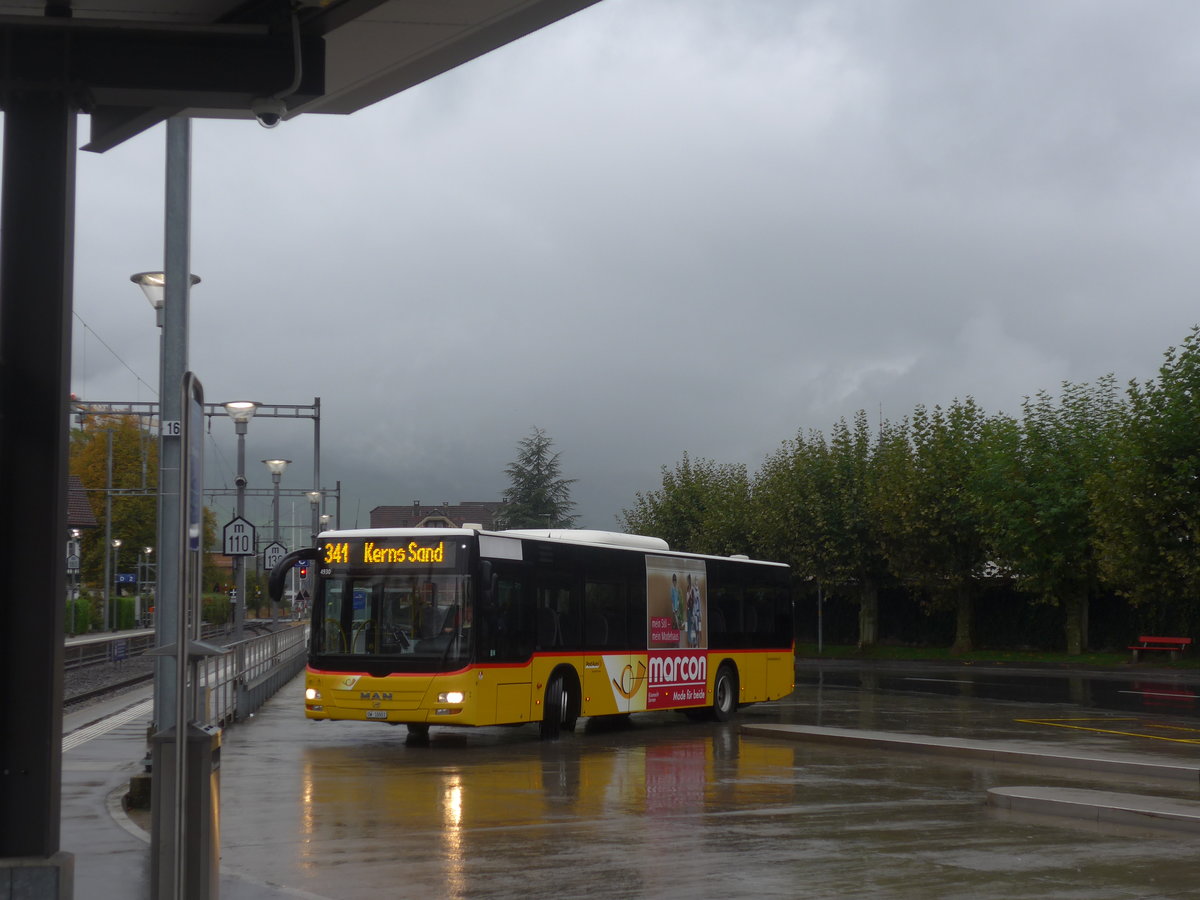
(658, 806)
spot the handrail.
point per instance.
(232, 686)
(229, 686)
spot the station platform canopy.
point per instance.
(133, 63)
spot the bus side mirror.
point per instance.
(275, 580)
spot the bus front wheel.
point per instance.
(560, 709)
(725, 692)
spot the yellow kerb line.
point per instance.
(1061, 723)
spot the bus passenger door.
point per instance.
(506, 626)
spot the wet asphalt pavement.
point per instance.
(664, 807)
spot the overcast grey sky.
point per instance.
(668, 226)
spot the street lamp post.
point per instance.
(276, 467)
(116, 569)
(314, 499)
(241, 411)
(143, 583)
(74, 553)
(172, 322)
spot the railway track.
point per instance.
(82, 684)
(80, 696)
(97, 666)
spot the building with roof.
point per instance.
(79, 510)
(444, 515)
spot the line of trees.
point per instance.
(1092, 493)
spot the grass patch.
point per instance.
(998, 657)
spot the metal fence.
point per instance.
(237, 683)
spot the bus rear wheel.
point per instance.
(725, 693)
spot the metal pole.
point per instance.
(239, 562)
(111, 622)
(316, 444)
(275, 477)
(820, 620)
(107, 531)
(166, 810)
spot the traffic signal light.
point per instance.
(304, 571)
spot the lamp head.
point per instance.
(154, 285)
(241, 411)
(276, 465)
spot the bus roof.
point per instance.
(595, 538)
(589, 536)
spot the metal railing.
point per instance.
(234, 685)
(229, 687)
(93, 650)
(84, 650)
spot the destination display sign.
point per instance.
(389, 552)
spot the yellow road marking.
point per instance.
(1065, 723)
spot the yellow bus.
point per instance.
(465, 627)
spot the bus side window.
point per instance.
(783, 625)
(725, 619)
(557, 621)
(760, 616)
(636, 615)
(605, 616)
(507, 625)
(547, 628)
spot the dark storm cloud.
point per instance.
(678, 225)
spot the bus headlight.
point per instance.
(451, 697)
(312, 694)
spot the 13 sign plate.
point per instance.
(272, 554)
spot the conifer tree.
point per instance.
(537, 496)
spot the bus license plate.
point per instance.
(376, 713)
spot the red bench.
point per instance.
(1171, 645)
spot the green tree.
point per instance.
(134, 482)
(929, 511)
(856, 536)
(1147, 509)
(791, 507)
(702, 507)
(812, 510)
(1037, 509)
(537, 496)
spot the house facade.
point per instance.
(443, 515)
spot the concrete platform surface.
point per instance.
(1109, 807)
(1014, 752)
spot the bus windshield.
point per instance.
(420, 621)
